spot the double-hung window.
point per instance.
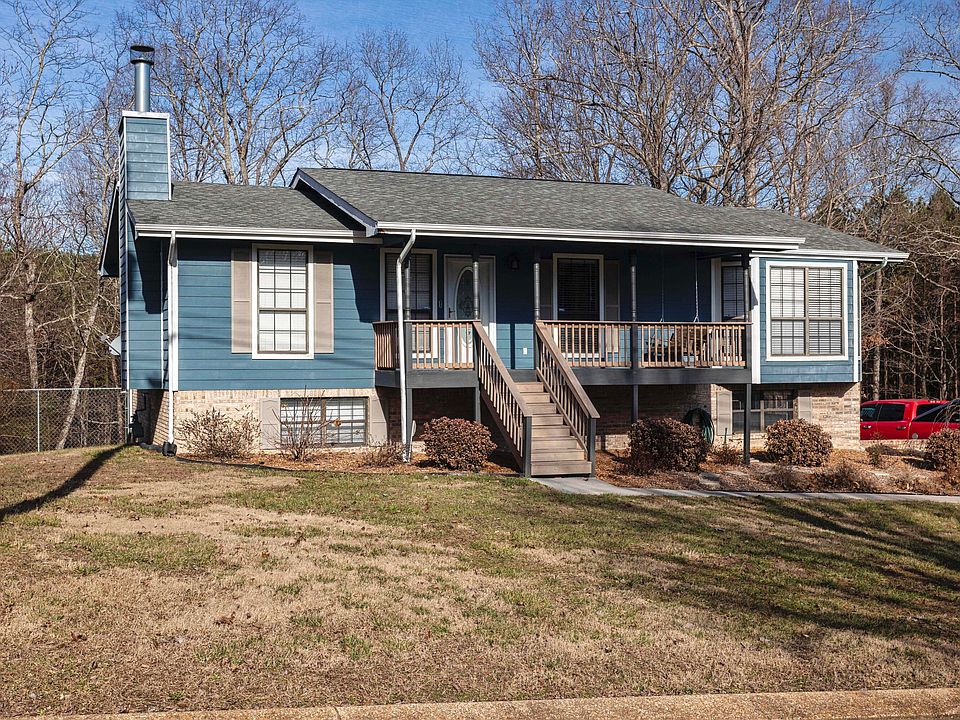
(806, 311)
(282, 291)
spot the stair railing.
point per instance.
(565, 390)
(502, 396)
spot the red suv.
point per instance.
(891, 419)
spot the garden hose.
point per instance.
(699, 416)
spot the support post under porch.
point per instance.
(748, 318)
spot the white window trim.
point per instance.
(844, 317)
(716, 297)
(578, 256)
(383, 279)
(255, 304)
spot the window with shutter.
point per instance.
(806, 311)
(421, 285)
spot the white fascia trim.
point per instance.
(755, 352)
(865, 256)
(857, 350)
(658, 238)
(209, 232)
(368, 222)
(173, 317)
(135, 114)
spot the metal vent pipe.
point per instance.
(141, 57)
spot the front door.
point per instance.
(459, 292)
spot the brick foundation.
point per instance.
(614, 403)
(236, 403)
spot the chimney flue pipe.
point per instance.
(141, 57)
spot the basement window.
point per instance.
(766, 408)
(329, 422)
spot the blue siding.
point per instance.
(206, 362)
(143, 175)
(810, 370)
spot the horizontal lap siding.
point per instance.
(145, 176)
(808, 370)
(206, 362)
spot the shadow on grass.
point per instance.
(71, 484)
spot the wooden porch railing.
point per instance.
(653, 345)
(553, 370)
(503, 396)
(386, 349)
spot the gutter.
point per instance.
(406, 436)
(881, 266)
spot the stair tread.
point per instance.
(560, 467)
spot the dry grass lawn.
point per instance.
(133, 582)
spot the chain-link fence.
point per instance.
(34, 420)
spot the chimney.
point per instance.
(141, 57)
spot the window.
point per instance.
(891, 412)
(766, 408)
(931, 412)
(421, 285)
(732, 293)
(328, 421)
(282, 301)
(868, 413)
(806, 311)
(578, 288)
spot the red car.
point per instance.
(934, 420)
(891, 419)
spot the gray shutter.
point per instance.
(270, 424)
(804, 404)
(241, 306)
(546, 289)
(322, 302)
(724, 419)
(611, 290)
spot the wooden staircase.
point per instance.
(554, 449)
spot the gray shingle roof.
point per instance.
(236, 206)
(418, 198)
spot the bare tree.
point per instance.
(250, 88)
(411, 109)
(44, 93)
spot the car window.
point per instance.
(868, 413)
(930, 413)
(891, 411)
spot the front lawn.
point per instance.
(133, 582)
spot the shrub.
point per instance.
(845, 477)
(301, 437)
(662, 443)
(876, 454)
(791, 479)
(213, 434)
(383, 455)
(457, 444)
(727, 454)
(943, 451)
(798, 442)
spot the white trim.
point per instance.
(844, 319)
(217, 232)
(255, 304)
(493, 287)
(383, 278)
(755, 353)
(857, 340)
(864, 255)
(369, 224)
(135, 114)
(600, 299)
(580, 235)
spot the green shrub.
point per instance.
(213, 434)
(662, 443)
(457, 444)
(943, 451)
(798, 442)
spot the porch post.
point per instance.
(634, 340)
(476, 283)
(536, 284)
(746, 422)
(633, 287)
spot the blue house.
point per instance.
(556, 312)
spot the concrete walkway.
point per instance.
(577, 486)
(933, 704)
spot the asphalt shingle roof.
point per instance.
(418, 198)
(238, 206)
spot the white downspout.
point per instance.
(173, 333)
(401, 342)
